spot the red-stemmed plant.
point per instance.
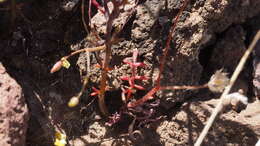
(132, 62)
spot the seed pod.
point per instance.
(56, 67)
(74, 101)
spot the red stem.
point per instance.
(148, 96)
(158, 87)
(168, 42)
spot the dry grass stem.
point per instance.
(184, 87)
(99, 48)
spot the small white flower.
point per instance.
(218, 81)
(236, 96)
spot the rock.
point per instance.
(229, 49)
(251, 117)
(13, 111)
(256, 70)
(96, 133)
(231, 128)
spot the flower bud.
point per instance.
(74, 101)
(56, 67)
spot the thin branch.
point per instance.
(89, 12)
(108, 51)
(227, 89)
(86, 50)
(147, 96)
(168, 42)
(151, 93)
(74, 101)
(83, 15)
(183, 87)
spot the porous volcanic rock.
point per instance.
(13, 111)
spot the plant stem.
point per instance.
(86, 50)
(108, 44)
(168, 42)
(151, 93)
(83, 16)
(183, 87)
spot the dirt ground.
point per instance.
(211, 34)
